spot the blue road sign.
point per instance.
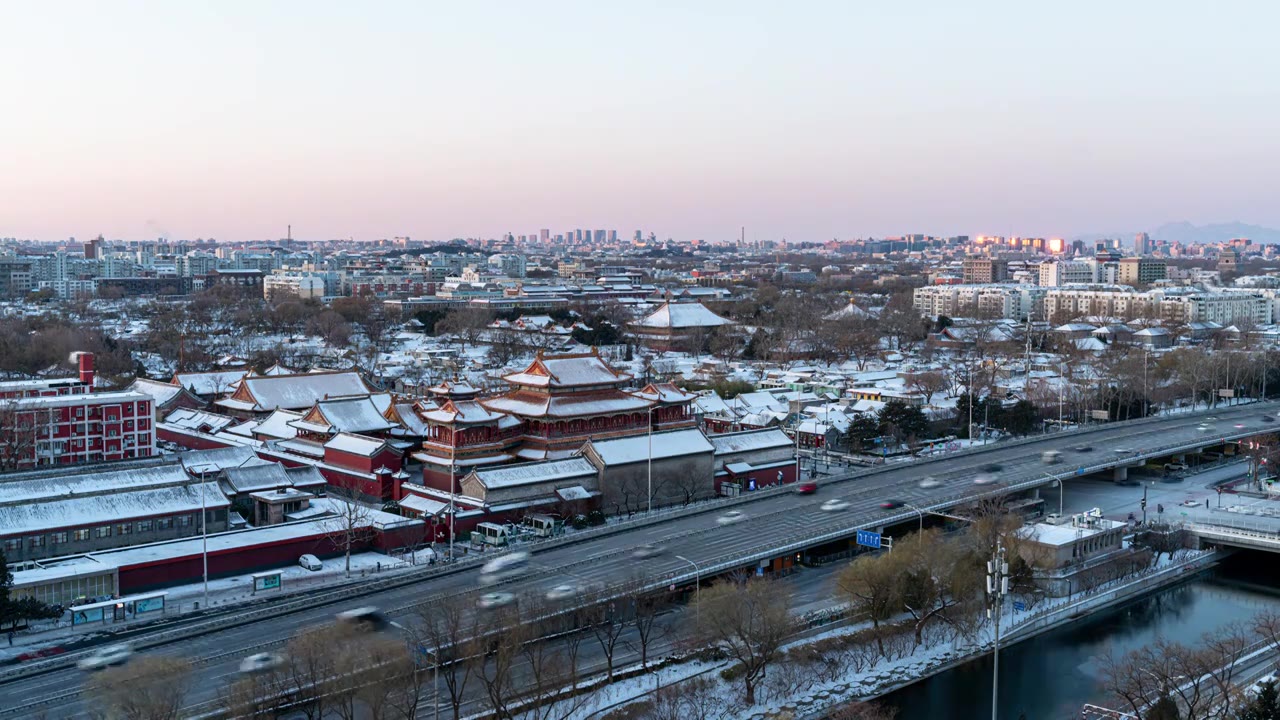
(1080, 470)
(1019, 606)
(869, 538)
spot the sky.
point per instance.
(807, 121)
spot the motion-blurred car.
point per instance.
(365, 619)
(930, 483)
(731, 517)
(646, 551)
(261, 662)
(891, 504)
(984, 479)
(835, 505)
(806, 488)
(105, 657)
(562, 592)
(492, 600)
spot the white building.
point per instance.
(307, 287)
(1012, 302)
(1067, 272)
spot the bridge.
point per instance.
(778, 524)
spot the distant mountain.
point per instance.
(1185, 232)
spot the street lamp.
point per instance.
(918, 512)
(1059, 483)
(697, 587)
(997, 588)
(650, 492)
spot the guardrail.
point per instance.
(285, 607)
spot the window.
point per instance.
(12, 544)
(124, 528)
(145, 525)
(36, 541)
(164, 524)
(102, 531)
(184, 520)
(82, 534)
(58, 538)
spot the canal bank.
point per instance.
(1049, 676)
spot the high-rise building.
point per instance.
(544, 234)
(1139, 271)
(1142, 244)
(613, 236)
(978, 269)
(600, 235)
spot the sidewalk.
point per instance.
(55, 636)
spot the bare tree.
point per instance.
(607, 628)
(648, 606)
(936, 580)
(749, 622)
(451, 632)
(152, 687)
(349, 527)
(506, 636)
(21, 430)
(927, 384)
(870, 583)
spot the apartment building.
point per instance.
(1012, 302)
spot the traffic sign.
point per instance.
(869, 538)
(1019, 606)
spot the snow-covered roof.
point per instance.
(531, 404)
(567, 371)
(65, 512)
(664, 393)
(673, 443)
(161, 392)
(424, 505)
(276, 425)
(296, 392)
(210, 383)
(353, 414)
(749, 440)
(198, 420)
(535, 472)
(461, 411)
(710, 403)
(675, 316)
(355, 444)
(258, 477)
(219, 459)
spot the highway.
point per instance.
(774, 524)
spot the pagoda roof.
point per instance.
(524, 403)
(461, 411)
(564, 371)
(665, 393)
(677, 316)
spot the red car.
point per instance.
(806, 488)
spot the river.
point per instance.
(1050, 676)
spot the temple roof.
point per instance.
(525, 403)
(563, 371)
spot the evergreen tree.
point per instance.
(22, 609)
(1264, 706)
(1163, 709)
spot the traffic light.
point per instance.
(1144, 503)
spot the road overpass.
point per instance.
(777, 524)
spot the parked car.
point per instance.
(261, 662)
(105, 657)
(310, 562)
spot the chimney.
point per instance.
(84, 362)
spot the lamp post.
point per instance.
(650, 491)
(697, 588)
(918, 512)
(997, 588)
(204, 542)
(453, 490)
(1061, 485)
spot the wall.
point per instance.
(626, 486)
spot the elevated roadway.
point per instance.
(775, 524)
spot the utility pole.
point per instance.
(997, 588)
(651, 458)
(1144, 503)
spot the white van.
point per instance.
(310, 562)
(1051, 457)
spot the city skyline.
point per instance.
(235, 120)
